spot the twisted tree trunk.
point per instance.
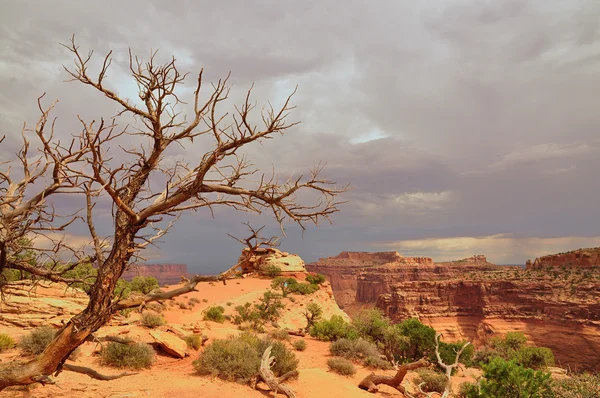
(371, 382)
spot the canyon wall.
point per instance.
(474, 299)
(167, 274)
(584, 258)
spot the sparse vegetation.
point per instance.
(37, 340)
(341, 366)
(6, 342)
(133, 356)
(215, 314)
(280, 334)
(271, 271)
(299, 345)
(315, 279)
(577, 386)
(144, 285)
(238, 358)
(513, 347)
(353, 349)
(152, 319)
(312, 313)
(377, 363)
(433, 381)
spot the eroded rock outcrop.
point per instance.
(583, 258)
(474, 299)
(261, 258)
(165, 273)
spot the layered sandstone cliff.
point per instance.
(167, 274)
(584, 258)
(474, 299)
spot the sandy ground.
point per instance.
(171, 377)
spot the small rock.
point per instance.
(170, 343)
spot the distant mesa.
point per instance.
(167, 274)
(581, 258)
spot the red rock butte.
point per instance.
(583, 258)
(165, 273)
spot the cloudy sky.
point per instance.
(464, 126)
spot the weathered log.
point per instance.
(94, 374)
(371, 382)
(275, 384)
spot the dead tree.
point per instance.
(275, 384)
(148, 192)
(253, 243)
(371, 382)
(448, 368)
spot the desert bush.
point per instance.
(134, 356)
(269, 306)
(578, 386)
(312, 313)
(341, 366)
(144, 284)
(156, 307)
(353, 349)
(434, 381)
(6, 342)
(315, 279)
(280, 334)
(420, 339)
(183, 306)
(215, 314)
(271, 271)
(37, 340)
(534, 357)
(465, 389)
(238, 358)
(152, 319)
(193, 341)
(126, 312)
(375, 362)
(503, 379)
(333, 329)
(299, 345)
(448, 352)
(194, 300)
(283, 284)
(303, 288)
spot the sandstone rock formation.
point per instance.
(474, 299)
(584, 258)
(165, 273)
(261, 258)
(170, 343)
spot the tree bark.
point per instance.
(371, 382)
(94, 374)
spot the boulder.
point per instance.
(170, 343)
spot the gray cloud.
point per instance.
(489, 109)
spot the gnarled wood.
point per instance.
(371, 382)
(93, 373)
(447, 368)
(275, 384)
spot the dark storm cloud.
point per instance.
(485, 111)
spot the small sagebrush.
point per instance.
(375, 362)
(152, 319)
(133, 356)
(434, 381)
(215, 314)
(6, 342)
(193, 341)
(299, 345)
(36, 342)
(280, 334)
(341, 366)
(353, 349)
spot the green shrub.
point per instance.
(578, 386)
(420, 339)
(283, 284)
(434, 381)
(269, 306)
(448, 353)
(333, 329)
(271, 271)
(238, 358)
(215, 314)
(315, 279)
(144, 284)
(152, 319)
(353, 349)
(280, 334)
(371, 325)
(303, 288)
(503, 379)
(312, 313)
(6, 342)
(377, 363)
(193, 341)
(534, 357)
(341, 366)
(134, 356)
(466, 389)
(299, 345)
(36, 342)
